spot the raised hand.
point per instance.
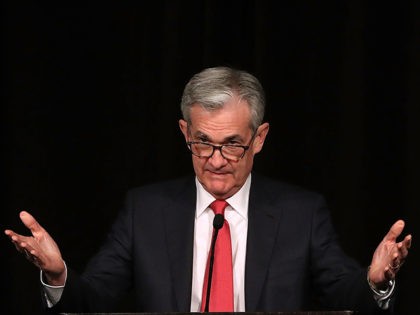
(40, 249)
(389, 256)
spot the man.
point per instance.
(284, 249)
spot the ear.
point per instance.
(262, 132)
(183, 125)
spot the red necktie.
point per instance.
(221, 292)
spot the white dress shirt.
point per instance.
(236, 213)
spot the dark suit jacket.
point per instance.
(293, 257)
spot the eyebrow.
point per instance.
(199, 134)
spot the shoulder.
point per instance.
(277, 194)
(278, 189)
(171, 189)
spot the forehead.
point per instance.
(233, 119)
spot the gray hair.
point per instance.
(213, 87)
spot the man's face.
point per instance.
(222, 178)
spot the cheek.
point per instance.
(198, 164)
(248, 161)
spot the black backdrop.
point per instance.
(91, 103)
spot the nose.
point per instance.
(217, 160)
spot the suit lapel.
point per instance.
(179, 225)
(262, 231)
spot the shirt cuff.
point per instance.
(52, 293)
(382, 297)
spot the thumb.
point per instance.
(395, 231)
(30, 222)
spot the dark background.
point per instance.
(91, 106)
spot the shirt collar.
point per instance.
(238, 202)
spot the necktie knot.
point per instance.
(219, 206)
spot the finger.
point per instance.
(21, 244)
(30, 222)
(27, 254)
(10, 233)
(394, 231)
(389, 274)
(404, 246)
(17, 246)
(407, 241)
(15, 238)
(393, 259)
(403, 250)
(25, 247)
(31, 256)
(395, 264)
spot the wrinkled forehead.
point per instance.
(230, 121)
(229, 108)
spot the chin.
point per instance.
(219, 190)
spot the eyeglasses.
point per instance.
(233, 152)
